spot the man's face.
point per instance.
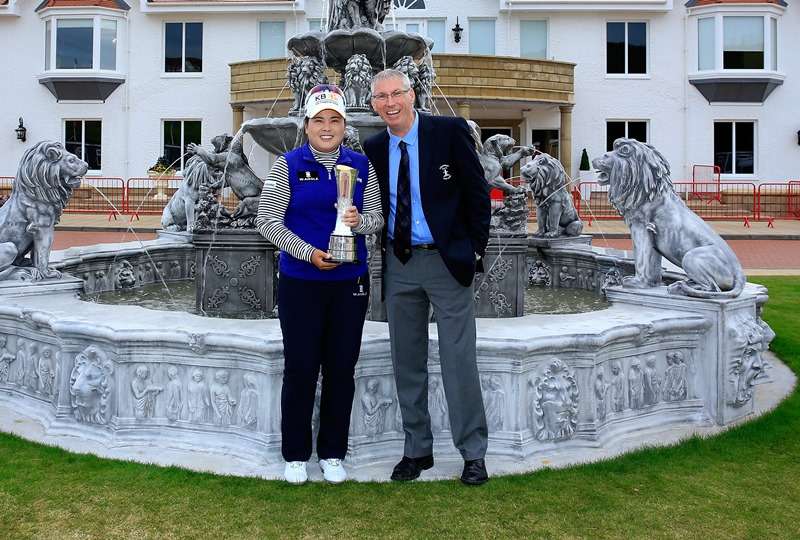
(394, 105)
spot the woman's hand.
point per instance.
(320, 259)
(351, 217)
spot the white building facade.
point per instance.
(708, 82)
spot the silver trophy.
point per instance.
(342, 245)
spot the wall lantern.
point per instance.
(457, 32)
(21, 131)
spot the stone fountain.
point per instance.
(676, 353)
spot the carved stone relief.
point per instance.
(651, 382)
(46, 372)
(494, 401)
(635, 385)
(616, 388)
(174, 395)
(91, 385)
(612, 278)
(539, 273)
(198, 401)
(124, 277)
(6, 359)
(437, 404)
(374, 405)
(555, 402)
(222, 402)
(565, 279)
(144, 394)
(600, 390)
(748, 339)
(675, 377)
(247, 413)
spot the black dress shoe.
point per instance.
(474, 472)
(410, 468)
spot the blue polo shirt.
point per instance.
(420, 233)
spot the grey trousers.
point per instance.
(425, 280)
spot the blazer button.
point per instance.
(406, 250)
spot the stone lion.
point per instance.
(496, 156)
(641, 190)
(421, 77)
(179, 213)
(46, 177)
(555, 213)
(304, 73)
(356, 82)
(90, 386)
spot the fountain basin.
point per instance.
(554, 385)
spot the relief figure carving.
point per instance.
(616, 388)
(91, 385)
(222, 402)
(174, 395)
(6, 359)
(374, 405)
(248, 403)
(675, 377)
(144, 394)
(199, 399)
(636, 385)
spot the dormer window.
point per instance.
(81, 43)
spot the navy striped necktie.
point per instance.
(402, 214)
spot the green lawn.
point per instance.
(742, 484)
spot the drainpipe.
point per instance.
(685, 86)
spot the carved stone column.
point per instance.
(565, 142)
(463, 109)
(238, 117)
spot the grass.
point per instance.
(741, 484)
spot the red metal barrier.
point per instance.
(146, 195)
(778, 200)
(737, 200)
(706, 184)
(98, 195)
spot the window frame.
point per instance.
(647, 46)
(179, 170)
(90, 172)
(546, 21)
(183, 74)
(734, 175)
(285, 31)
(470, 20)
(718, 14)
(51, 56)
(627, 121)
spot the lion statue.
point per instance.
(356, 82)
(179, 213)
(304, 73)
(496, 156)
(90, 386)
(555, 212)
(46, 177)
(641, 190)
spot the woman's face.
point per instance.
(325, 131)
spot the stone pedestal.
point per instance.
(235, 273)
(730, 351)
(500, 291)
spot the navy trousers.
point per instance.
(321, 323)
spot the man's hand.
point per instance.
(320, 259)
(351, 217)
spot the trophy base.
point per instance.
(342, 249)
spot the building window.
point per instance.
(178, 134)
(705, 44)
(626, 48)
(314, 25)
(409, 4)
(85, 43)
(630, 129)
(774, 41)
(734, 147)
(84, 139)
(743, 43)
(546, 140)
(437, 32)
(481, 36)
(183, 47)
(533, 39)
(272, 39)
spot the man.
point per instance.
(437, 203)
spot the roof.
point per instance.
(111, 4)
(698, 3)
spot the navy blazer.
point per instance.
(454, 192)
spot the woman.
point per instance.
(321, 304)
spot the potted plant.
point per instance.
(585, 171)
(161, 173)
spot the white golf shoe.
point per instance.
(295, 472)
(332, 470)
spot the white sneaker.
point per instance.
(332, 470)
(295, 472)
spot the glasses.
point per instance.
(380, 98)
(326, 88)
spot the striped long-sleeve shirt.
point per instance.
(275, 200)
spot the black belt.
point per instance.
(430, 247)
